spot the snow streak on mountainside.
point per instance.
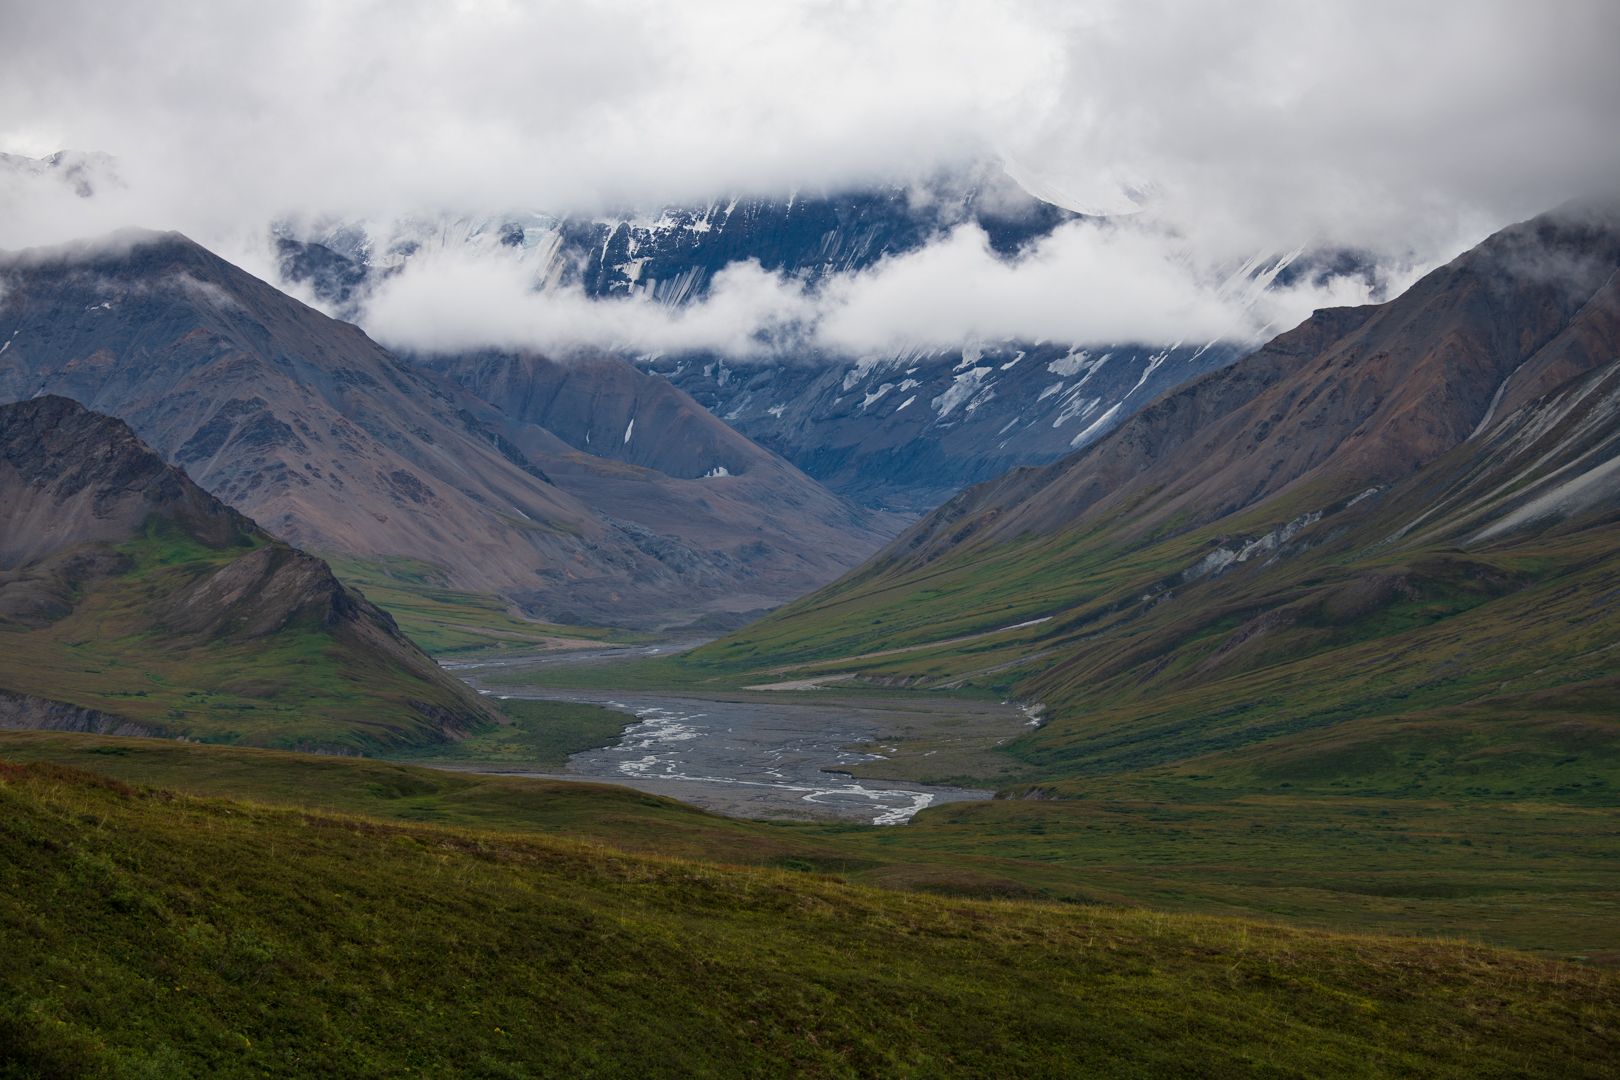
(908, 430)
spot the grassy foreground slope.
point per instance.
(152, 934)
(1523, 874)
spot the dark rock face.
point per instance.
(1351, 397)
(907, 431)
(338, 445)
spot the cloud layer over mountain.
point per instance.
(1226, 130)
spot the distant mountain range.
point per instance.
(901, 430)
(132, 602)
(337, 445)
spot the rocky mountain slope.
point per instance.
(909, 429)
(133, 602)
(338, 445)
(1351, 398)
(1398, 518)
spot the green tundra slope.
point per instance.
(150, 934)
(132, 601)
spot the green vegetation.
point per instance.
(448, 622)
(1522, 873)
(541, 736)
(1377, 729)
(150, 934)
(123, 643)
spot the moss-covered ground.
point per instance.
(148, 933)
(1538, 876)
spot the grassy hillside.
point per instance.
(1537, 875)
(315, 681)
(451, 622)
(150, 934)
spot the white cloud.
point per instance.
(1086, 282)
(1405, 130)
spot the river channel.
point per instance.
(757, 759)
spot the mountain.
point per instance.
(1394, 526)
(667, 472)
(134, 602)
(909, 429)
(670, 254)
(1353, 397)
(901, 430)
(339, 446)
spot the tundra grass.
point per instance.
(305, 685)
(541, 736)
(153, 934)
(1526, 874)
(451, 622)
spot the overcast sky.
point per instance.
(1223, 130)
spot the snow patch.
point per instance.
(1096, 428)
(629, 428)
(961, 391)
(876, 394)
(1069, 365)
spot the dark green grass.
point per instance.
(154, 935)
(1523, 873)
(541, 736)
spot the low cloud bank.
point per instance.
(1086, 282)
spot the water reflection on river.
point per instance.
(752, 759)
